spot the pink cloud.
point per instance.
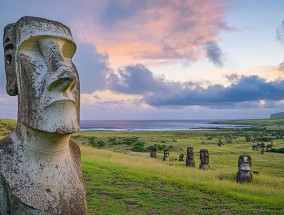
(143, 30)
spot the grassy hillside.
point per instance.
(6, 127)
(132, 183)
(257, 122)
(120, 181)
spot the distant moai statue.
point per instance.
(153, 154)
(181, 156)
(244, 174)
(190, 157)
(40, 170)
(166, 155)
(204, 159)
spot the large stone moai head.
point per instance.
(166, 155)
(39, 69)
(244, 174)
(204, 159)
(190, 157)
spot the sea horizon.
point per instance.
(154, 125)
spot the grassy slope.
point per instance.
(257, 122)
(6, 126)
(132, 182)
(123, 182)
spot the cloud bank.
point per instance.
(156, 91)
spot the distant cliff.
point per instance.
(277, 115)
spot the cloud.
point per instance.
(162, 29)
(280, 37)
(93, 68)
(214, 53)
(156, 91)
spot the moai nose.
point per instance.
(63, 77)
(245, 160)
(63, 80)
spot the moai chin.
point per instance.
(204, 159)
(181, 156)
(40, 171)
(244, 174)
(190, 157)
(166, 155)
(153, 154)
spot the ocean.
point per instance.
(153, 125)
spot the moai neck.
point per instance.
(40, 141)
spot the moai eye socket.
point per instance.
(8, 59)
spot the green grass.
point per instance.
(119, 181)
(136, 184)
(6, 126)
(126, 182)
(257, 122)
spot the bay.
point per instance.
(153, 125)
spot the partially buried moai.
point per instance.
(190, 157)
(153, 154)
(40, 171)
(204, 159)
(244, 174)
(166, 155)
(181, 156)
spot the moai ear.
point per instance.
(9, 43)
(240, 161)
(249, 160)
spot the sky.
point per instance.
(167, 59)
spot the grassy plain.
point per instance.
(120, 181)
(257, 122)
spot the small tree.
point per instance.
(101, 144)
(92, 141)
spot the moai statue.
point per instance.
(204, 159)
(166, 155)
(181, 156)
(190, 157)
(244, 174)
(153, 154)
(40, 171)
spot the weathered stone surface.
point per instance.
(244, 174)
(166, 155)
(40, 170)
(190, 157)
(204, 159)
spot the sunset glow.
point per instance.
(168, 58)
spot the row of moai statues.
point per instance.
(204, 157)
(244, 174)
